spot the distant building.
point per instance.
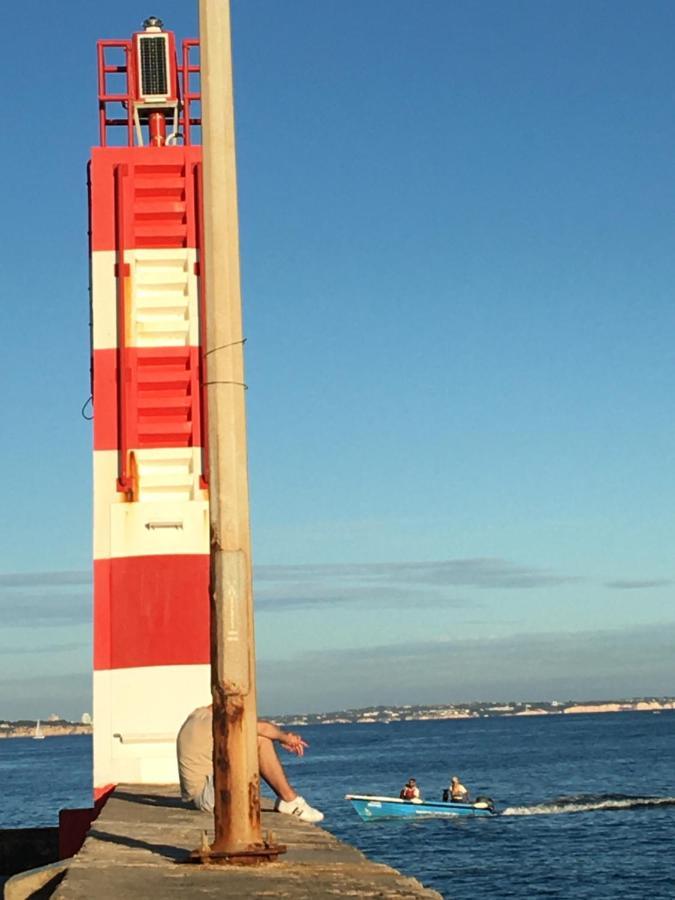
(86, 718)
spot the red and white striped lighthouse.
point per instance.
(151, 520)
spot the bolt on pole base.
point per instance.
(253, 855)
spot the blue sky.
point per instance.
(457, 223)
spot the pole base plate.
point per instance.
(253, 855)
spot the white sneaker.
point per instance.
(299, 808)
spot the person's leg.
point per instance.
(272, 771)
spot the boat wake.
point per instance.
(588, 803)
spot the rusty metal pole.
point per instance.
(236, 776)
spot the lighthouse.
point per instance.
(151, 516)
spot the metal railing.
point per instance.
(123, 116)
(124, 474)
(188, 96)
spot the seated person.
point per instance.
(410, 791)
(458, 793)
(195, 764)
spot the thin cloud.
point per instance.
(43, 579)
(611, 663)
(481, 572)
(66, 694)
(392, 585)
(315, 595)
(633, 584)
(35, 598)
(49, 607)
(45, 646)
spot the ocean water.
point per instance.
(587, 802)
(38, 778)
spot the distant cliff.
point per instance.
(372, 715)
(26, 729)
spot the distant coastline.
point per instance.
(385, 714)
(25, 728)
(371, 715)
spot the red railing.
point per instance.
(109, 117)
(188, 96)
(201, 311)
(124, 480)
(105, 69)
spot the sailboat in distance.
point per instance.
(38, 736)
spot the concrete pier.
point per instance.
(135, 848)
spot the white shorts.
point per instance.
(207, 799)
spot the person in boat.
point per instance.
(194, 746)
(410, 791)
(458, 793)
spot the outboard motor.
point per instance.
(484, 803)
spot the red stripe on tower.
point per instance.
(158, 617)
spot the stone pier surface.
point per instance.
(135, 848)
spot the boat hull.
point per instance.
(369, 807)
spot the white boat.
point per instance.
(38, 736)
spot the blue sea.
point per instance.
(587, 801)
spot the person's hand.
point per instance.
(293, 743)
